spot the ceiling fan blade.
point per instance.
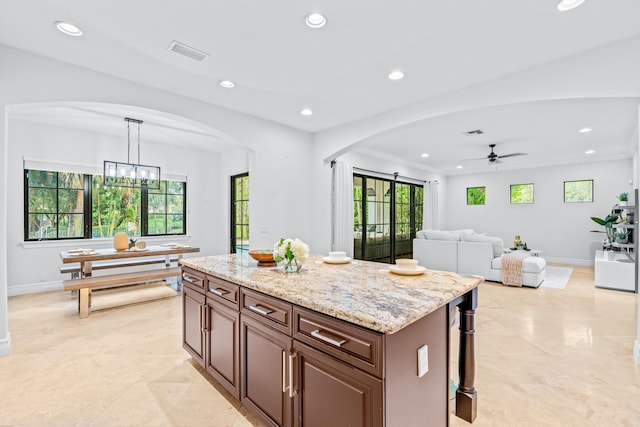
(512, 155)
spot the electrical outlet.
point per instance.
(263, 228)
(423, 360)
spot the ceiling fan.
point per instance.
(493, 157)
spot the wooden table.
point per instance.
(84, 282)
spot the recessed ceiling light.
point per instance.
(315, 20)
(425, 154)
(227, 84)
(306, 112)
(565, 5)
(396, 75)
(585, 130)
(589, 151)
(459, 167)
(67, 28)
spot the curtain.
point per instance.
(342, 207)
(430, 209)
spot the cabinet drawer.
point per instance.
(359, 347)
(193, 279)
(268, 310)
(221, 290)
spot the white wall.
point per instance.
(30, 140)
(609, 71)
(280, 181)
(561, 230)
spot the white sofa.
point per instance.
(466, 252)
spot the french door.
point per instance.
(387, 215)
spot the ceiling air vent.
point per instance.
(188, 51)
(473, 132)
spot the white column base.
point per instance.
(5, 345)
(636, 352)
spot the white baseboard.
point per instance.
(32, 288)
(5, 345)
(570, 261)
(636, 352)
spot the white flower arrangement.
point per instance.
(295, 252)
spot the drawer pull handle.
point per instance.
(218, 292)
(292, 390)
(318, 335)
(260, 310)
(284, 372)
(190, 279)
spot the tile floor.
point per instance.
(545, 357)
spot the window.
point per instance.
(165, 209)
(63, 205)
(386, 217)
(521, 194)
(578, 191)
(476, 195)
(54, 205)
(240, 213)
(115, 209)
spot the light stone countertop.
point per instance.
(361, 292)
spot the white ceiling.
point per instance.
(340, 71)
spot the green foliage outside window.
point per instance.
(578, 191)
(240, 213)
(59, 204)
(476, 195)
(521, 193)
(55, 205)
(114, 209)
(358, 214)
(166, 209)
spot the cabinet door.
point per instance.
(333, 393)
(264, 361)
(193, 323)
(222, 345)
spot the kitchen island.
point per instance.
(336, 344)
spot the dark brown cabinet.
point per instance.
(292, 366)
(192, 325)
(266, 357)
(332, 393)
(211, 327)
(222, 345)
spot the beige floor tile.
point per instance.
(544, 357)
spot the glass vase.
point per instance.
(292, 266)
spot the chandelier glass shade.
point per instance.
(134, 175)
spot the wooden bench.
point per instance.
(75, 269)
(86, 284)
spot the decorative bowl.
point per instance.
(263, 256)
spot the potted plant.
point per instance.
(607, 223)
(622, 237)
(624, 197)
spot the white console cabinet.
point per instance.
(614, 270)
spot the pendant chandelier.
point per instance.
(134, 175)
